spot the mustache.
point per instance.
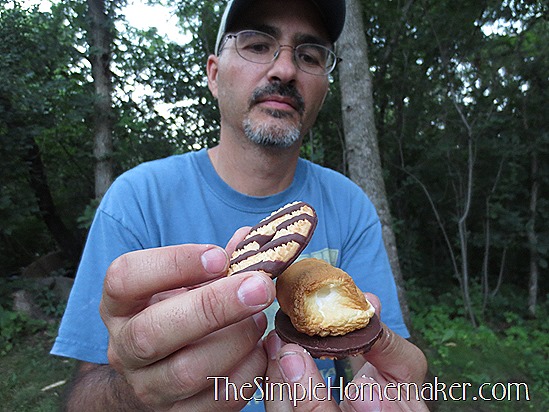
(279, 89)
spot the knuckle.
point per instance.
(144, 391)
(134, 346)
(114, 285)
(183, 374)
(140, 336)
(212, 307)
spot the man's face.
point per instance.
(272, 104)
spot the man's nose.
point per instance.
(284, 67)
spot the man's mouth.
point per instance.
(279, 103)
(278, 98)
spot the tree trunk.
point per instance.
(67, 241)
(18, 127)
(532, 238)
(462, 228)
(100, 40)
(362, 149)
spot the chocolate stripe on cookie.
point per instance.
(276, 241)
(302, 224)
(283, 254)
(288, 210)
(259, 239)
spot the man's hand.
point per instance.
(174, 321)
(392, 360)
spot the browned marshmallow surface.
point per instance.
(321, 299)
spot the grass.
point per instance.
(27, 369)
(508, 353)
(497, 368)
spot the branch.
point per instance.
(438, 219)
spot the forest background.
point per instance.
(456, 97)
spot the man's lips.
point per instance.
(279, 103)
(278, 98)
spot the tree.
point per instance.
(36, 90)
(362, 151)
(450, 99)
(101, 35)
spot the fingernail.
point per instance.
(253, 291)
(273, 345)
(292, 366)
(214, 260)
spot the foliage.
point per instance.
(42, 108)
(28, 372)
(507, 348)
(447, 78)
(25, 343)
(12, 326)
(15, 325)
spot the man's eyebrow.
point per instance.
(300, 38)
(309, 38)
(265, 28)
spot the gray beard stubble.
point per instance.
(271, 135)
(274, 136)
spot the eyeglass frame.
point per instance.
(276, 54)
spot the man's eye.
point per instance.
(258, 48)
(310, 59)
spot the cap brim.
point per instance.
(332, 13)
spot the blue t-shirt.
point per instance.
(181, 199)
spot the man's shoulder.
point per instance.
(158, 173)
(319, 170)
(329, 177)
(156, 176)
(166, 166)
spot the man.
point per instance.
(172, 326)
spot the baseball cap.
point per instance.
(331, 11)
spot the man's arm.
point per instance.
(98, 388)
(173, 323)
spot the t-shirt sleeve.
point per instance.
(82, 334)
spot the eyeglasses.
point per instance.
(258, 47)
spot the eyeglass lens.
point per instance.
(258, 47)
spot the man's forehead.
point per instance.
(265, 15)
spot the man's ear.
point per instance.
(212, 71)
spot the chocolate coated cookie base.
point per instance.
(275, 243)
(333, 347)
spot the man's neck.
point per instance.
(253, 170)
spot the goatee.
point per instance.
(274, 135)
(270, 135)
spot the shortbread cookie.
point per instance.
(275, 242)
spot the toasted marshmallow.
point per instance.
(321, 299)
